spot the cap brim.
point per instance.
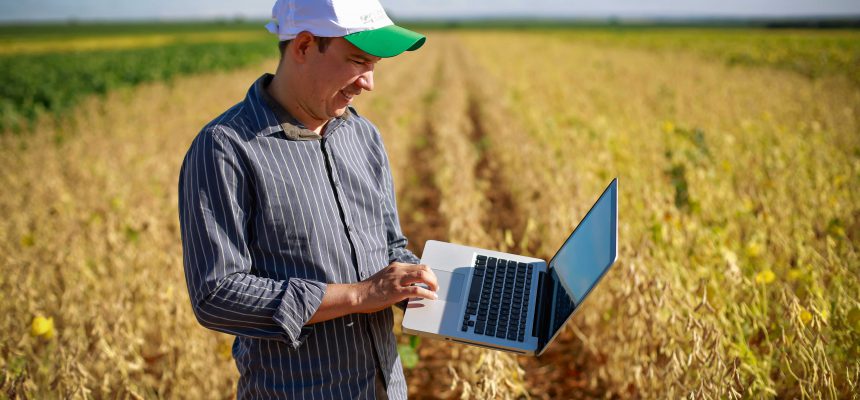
(387, 41)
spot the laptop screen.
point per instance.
(585, 256)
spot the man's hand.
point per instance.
(389, 286)
(393, 284)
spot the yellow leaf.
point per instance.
(805, 316)
(765, 277)
(795, 274)
(668, 127)
(753, 250)
(42, 327)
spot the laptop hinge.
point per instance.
(540, 326)
(538, 303)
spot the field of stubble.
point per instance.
(739, 222)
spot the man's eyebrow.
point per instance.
(362, 57)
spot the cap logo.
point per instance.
(371, 17)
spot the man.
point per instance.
(290, 233)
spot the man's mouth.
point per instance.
(347, 96)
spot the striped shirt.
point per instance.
(270, 213)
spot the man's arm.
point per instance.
(214, 204)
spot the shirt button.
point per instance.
(349, 228)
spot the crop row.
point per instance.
(738, 214)
(35, 84)
(739, 222)
(813, 54)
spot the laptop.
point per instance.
(512, 302)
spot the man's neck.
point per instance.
(280, 88)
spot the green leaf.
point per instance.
(408, 355)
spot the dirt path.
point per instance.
(462, 193)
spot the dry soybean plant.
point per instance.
(737, 274)
(738, 225)
(95, 296)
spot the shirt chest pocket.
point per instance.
(364, 208)
(284, 216)
(364, 202)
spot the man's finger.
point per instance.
(413, 267)
(421, 276)
(418, 291)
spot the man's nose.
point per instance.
(365, 81)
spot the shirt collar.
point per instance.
(272, 118)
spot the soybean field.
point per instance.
(737, 153)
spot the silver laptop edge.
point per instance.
(453, 266)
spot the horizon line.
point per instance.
(239, 18)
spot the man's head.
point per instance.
(324, 78)
(329, 50)
(361, 22)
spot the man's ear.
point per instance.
(300, 46)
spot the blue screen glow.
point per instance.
(591, 249)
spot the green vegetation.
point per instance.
(35, 83)
(34, 32)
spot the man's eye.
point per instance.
(358, 62)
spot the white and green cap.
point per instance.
(363, 23)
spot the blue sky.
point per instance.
(35, 10)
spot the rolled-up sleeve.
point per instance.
(214, 204)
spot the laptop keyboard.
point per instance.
(498, 298)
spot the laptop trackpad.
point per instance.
(450, 285)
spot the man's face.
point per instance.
(335, 77)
